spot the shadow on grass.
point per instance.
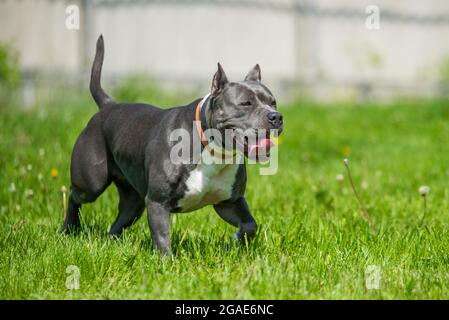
(185, 243)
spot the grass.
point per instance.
(312, 242)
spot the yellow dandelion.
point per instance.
(54, 173)
(345, 151)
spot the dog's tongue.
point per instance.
(260, 148)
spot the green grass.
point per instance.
(312, 242)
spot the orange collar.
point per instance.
(214, 152)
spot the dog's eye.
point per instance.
(245, 103)
(273, 103)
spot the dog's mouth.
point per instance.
(255, 147)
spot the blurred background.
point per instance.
(316, 50)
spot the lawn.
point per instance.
(312, 242)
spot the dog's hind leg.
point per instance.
(90, 173)
(131, 206)
(237, 214)
(72, 219)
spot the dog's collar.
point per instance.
(202, 125)
(206, 101)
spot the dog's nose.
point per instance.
(275, 118)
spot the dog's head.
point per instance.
(244, 111)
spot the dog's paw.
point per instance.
(242, 237)
(247, 231)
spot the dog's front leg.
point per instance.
(237, 214)
(159, 222)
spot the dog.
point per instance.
(129, 144)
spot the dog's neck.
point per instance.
(203, 123)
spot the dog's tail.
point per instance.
(100, 97)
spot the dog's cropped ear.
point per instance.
(219, 81)
(254, 74)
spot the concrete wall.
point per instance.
(329, 54)
(36, 29)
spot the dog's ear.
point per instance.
(254, 74)
(219, 81)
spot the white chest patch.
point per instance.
(208, 184)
